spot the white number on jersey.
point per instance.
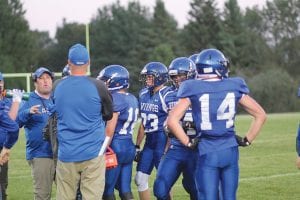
(132, 117)
(226, 111)
(154, 121)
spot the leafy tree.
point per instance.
(281, 20)
(16, 42)
(258, 51)
(122, 36)
(233, 32)
(237, 38)
(272, 93)
(42, 44)
(203, 28)
(66, 35)
(162, 53)
(165, 34)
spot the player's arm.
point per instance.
(111, 125)
(173, 120)
(16, 100)
(25, 113)
(140, 135)
(13, 112)
(139, 139)
(4, 155)
(254, 109)
(8, 124)
(12, 129)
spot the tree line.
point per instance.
(262, 43)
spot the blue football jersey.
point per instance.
(214, 106)
(152, 109)
(171, 99)
(126, 105)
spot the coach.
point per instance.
(83, 104)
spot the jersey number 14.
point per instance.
(226, 111)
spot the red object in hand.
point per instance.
(110, 159)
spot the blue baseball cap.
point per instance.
(78, 55)
(40, 71)
(1, 77)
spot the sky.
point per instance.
(47, 15)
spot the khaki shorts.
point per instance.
(90, 173)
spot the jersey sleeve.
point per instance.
(118, 105)
(163, 93)
(106, 99)
(186, 89)
(23, 114)
(241, 84)
(142, 91)
(299, 92)
(11, 127)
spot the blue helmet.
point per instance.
(182, 65)
(212, 62)
(194, 57)
(159, 72)
(66, 71)
(116, 77)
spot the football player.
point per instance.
(153, 114)
(179, 158)
(214, 100)
(9, 131)
(298, 142)
(120, 129)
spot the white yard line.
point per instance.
(268, 177)
(18, 177)
(178, 183)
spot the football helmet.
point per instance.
(159, 72)
(212, 62)
(66, 71)
(116, 77)
(194, 57)
(182, 66)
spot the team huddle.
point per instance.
(187, 128)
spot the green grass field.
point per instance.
(267, 167)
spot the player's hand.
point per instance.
(35, 109)
(17, 95)
(298, 162)
(137, 156)
(193, 143)
(167, 131)
(242, 141)
(187, 125)
(4, 156)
